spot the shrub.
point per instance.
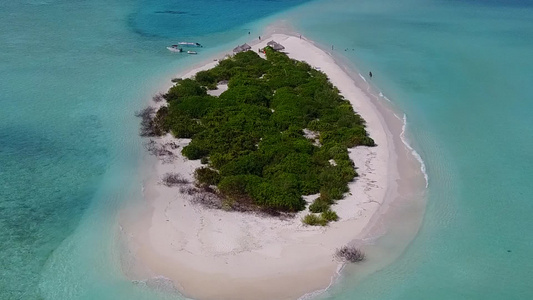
(309, 183)
(276, 197)
(319, 205)
(235, 187)
(206, 176)
(313, 220)
(248, 164)
(350, 254)
(334, 193)
(207, 199)
(220, 159)
(189, 190)
(205, 78)
(192, 106)
(193, 152)
(160, 151)
(248, 94)
(182, 126)
(148, 125)
(173, 179)
(160, 121)
(324, 197)
(158, 98)
(184, 88)
(320, 220)
(329, 215)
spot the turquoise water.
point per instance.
(72, 73)
(461, 71)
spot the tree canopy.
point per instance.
(252, 135)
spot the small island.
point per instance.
(252, 149)
(279, 130)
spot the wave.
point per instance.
(384, 97)
(402, 134)
(413, 151)
(314, 294)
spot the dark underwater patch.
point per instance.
(171, 12)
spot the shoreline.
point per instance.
(190, 245)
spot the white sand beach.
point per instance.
(216, 254)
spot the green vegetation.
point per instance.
(320, 220)
(319, 205)
(329, 215)
(206, 176)
(250, 138)
(314, 220)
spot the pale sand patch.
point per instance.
(214, 254)
(221, 88)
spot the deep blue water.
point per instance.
(73, 73)
(168, 18)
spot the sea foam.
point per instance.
(413, 151)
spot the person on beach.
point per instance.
(370, 74)
(259, 37)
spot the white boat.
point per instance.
(174, 48)
(189, 44)
(192, 52)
